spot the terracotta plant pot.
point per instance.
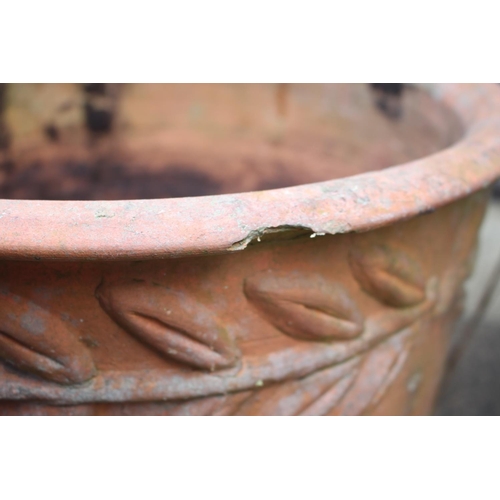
(327, 285)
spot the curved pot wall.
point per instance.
(335, 298)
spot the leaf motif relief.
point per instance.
(388, 275)
(170, 321)
(379, 369)
(35, 340)
(305, 306)
(314, 394)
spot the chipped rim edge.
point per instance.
(138, 229)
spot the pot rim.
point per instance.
(158, 228)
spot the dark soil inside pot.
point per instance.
(107, 141)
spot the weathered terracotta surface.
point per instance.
(332, 298)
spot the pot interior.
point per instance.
(130, 141)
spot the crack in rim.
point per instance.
(214, 224)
